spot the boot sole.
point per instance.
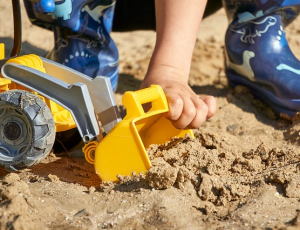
(280, 105)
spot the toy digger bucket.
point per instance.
(123, 150)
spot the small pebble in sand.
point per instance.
(53, 178)
(92, 189)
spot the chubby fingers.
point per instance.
(189, 111)
(211, 103)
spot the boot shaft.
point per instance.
(81, 34)
(257, 26)
(248, 10)
(82, 17)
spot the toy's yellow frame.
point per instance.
(62, 117)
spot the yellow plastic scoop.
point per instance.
(123, 150)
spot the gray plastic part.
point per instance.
(100, 91)
(73, 97)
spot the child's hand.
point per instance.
(177, 25)
(186, 109)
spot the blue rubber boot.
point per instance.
(258, 55)
(82, 34)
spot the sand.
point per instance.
(241, 171)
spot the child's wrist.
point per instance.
(175, 57)
(166, 71)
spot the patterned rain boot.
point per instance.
(258, 55)
(82, 34)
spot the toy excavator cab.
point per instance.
(67, 135)
(27, 125)
(31, 85)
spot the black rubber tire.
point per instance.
(66, 140)
(27, 130)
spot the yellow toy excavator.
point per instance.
(39, 98)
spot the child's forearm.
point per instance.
(177, 25)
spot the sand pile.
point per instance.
(223, 177)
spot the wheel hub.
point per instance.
(15, 132)
(12, 131)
